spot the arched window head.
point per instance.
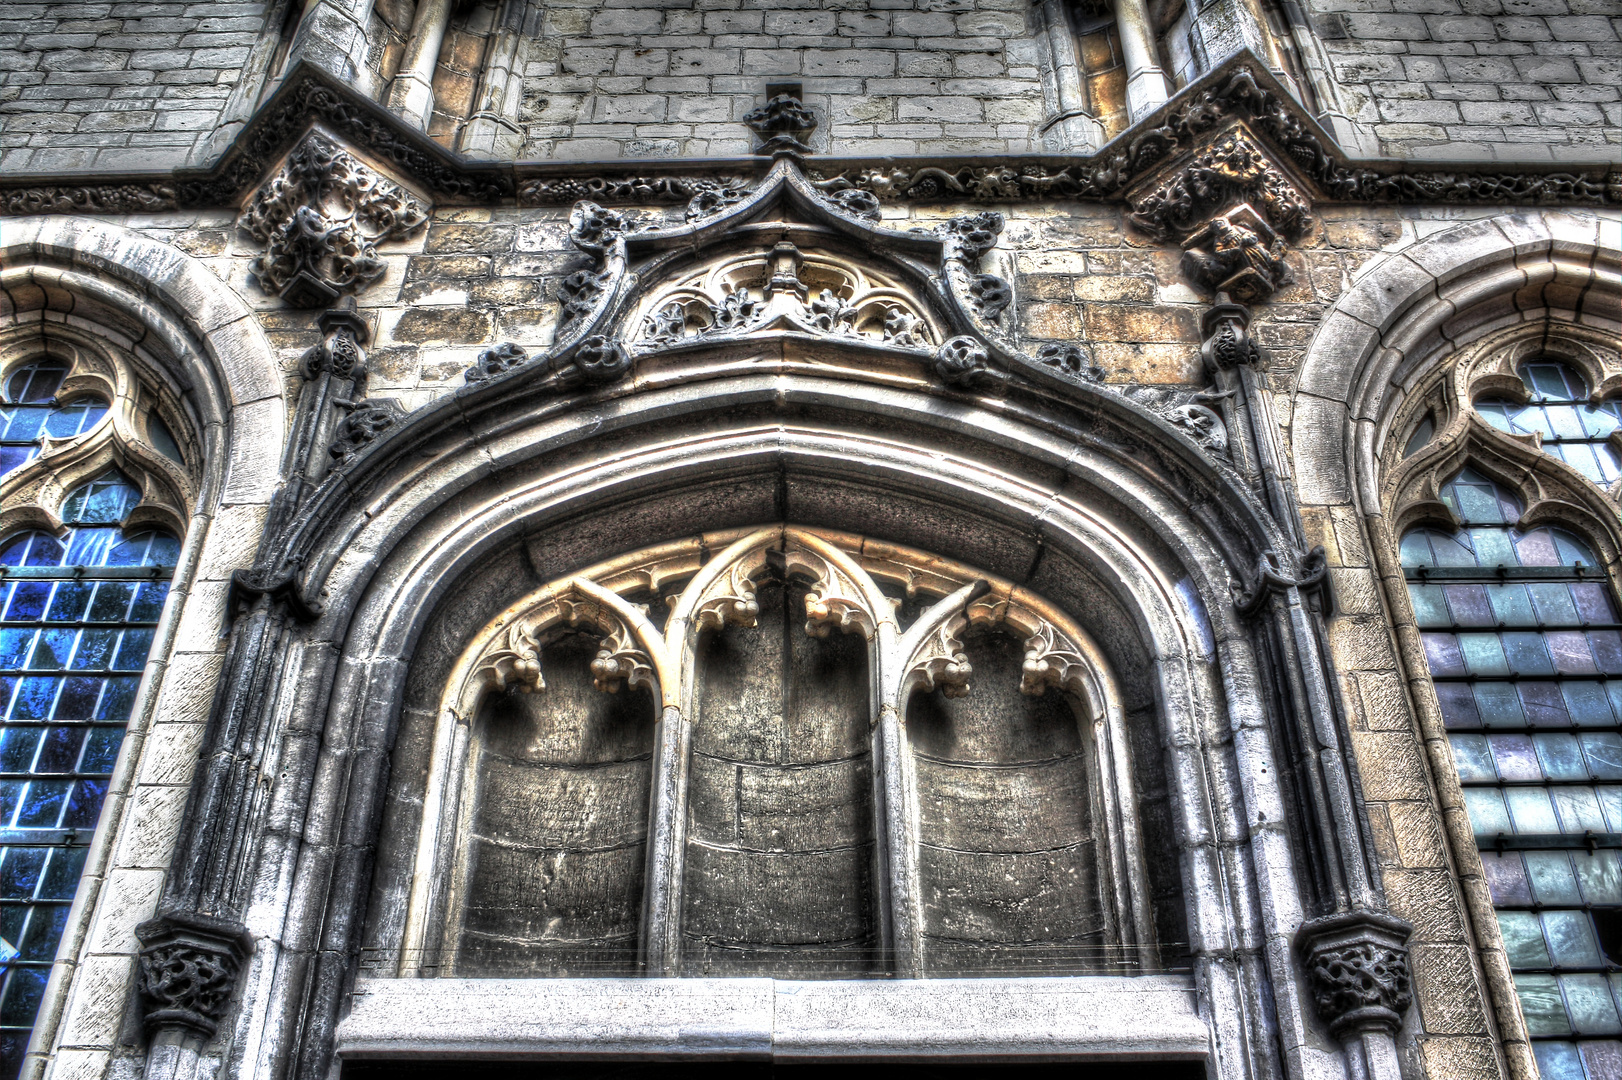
(1524, 645)
(1572, 428)
(106, 500)
(32, 411)
(1489, 538)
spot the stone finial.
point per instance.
(783, 123)
(1357, 965)
(189, 965)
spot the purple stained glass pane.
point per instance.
(1569, 650)
(1545, 706)
(1469, 605)
(1458, 706)
(1506, 877)
(1537, 548)
(1442, 651)
(1592, 601)
(1606, 645)
(1602, 1059)
(1515, 757)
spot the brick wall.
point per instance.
(120, 85)
(1506, 80)
(665, 78)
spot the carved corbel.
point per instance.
(1232, 210)
(189, 964)
(1271, 578)
(365, 421)
(1357, 966)
(321, 219)
(783, 123)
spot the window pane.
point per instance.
(1589, 1004)
(1561, 758)
(1523, 939)
(1571, 938)
(1551, 877)
(1487, 813)
(1531, 811)
(1600, 876)
(1556, 1060)
(1506, 878)
(1515, 757)
(1545, 1009)
(1603, 754)
(1474, 760)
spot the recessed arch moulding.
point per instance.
(1420, 336)
(436, 531)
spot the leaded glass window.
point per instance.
(1573, 430)
(31, 411)
(77, 613)
(1525, 647)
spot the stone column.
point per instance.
(412, 92)
(1076, 120)
(1146, 85)
(491, 131)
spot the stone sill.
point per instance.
(1152, 1016)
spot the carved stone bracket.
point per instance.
(1186, 410)
(1227, 344)
(189, 965)
(1357, 966)
(1270, 578)
(1232, 210)
(320, 220)
(365, 422)
(783, 124)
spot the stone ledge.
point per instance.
(1100, 1016)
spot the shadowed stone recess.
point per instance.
(1007, 855)
(555, 863)
(780, 834)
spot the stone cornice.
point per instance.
(1239, 92)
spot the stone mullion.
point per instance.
(667, 834)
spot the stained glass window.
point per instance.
(1525, 647)
(1573, 430)
(77, 613)
(31, 411)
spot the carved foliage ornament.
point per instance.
(189, 964)
(1357, 965)
(320, 220)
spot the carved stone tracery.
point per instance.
(320, 220)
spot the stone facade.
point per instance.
(715, 529)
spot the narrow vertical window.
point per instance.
(77, 613)
(1525, 647)
(31, 411)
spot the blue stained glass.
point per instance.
(1473, 758)
(1588, 704)
(69, 602)
(1430, 606)
(1544, 704)
(17, 747)
(132, 652)
(1610, 800)
(23, 991)
(1590, 1006)
(1515, 758)
(1499, 705)
(1603, 753)
(1526, 654)
(13, 456)
(1523, 939)
(61, 877)
(1484, 654)
(1493, 547)
(1485, 806)
(1531, 810)
(66, 729)
(1571, 938)
(15, 645)
(42, 804)
(112, 602)
(1561, 758)
(101, 750)
(44, 931)
(1578, 809)
(1511, 605)
(1600, 876)
(1554, 605)
(53, 650)
(1551, 877)
(27, 600)
(75, 418)
(78, 700)
(1557, 1060)
(95, 649)
(20, 871)
(35, 696)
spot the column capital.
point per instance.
(1357, 965)
(189, 965)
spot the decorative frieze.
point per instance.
(320, 219)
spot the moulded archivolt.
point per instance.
(713, 591)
